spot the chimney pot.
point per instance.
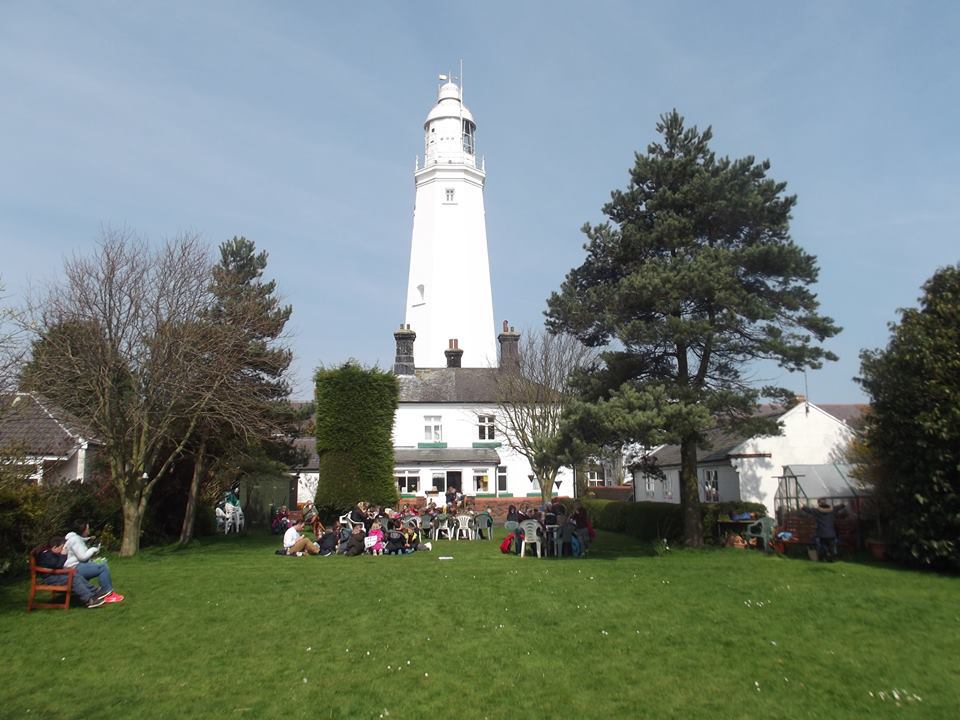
(453, 353)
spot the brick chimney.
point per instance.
(509, 348)
(403, 365)
(453, 353)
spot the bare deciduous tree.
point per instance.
(126, 342)
(533, 397)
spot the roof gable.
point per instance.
(33, 424)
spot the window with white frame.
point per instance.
(502, 479)
(481, 480)
(711, 486)
(408, 481)
(450, 194)
(486, 427)
(651, 485)
(668, 488)
(432, 428)
(439, 481)
(595, 476)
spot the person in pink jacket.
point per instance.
(374, 539)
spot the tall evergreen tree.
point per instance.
(692, 279)
(912, 431)
(251, 319)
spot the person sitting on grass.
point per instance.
(354, 545)
(296, 544)
(374, 541)
(329, 540)
(78, 556)
(53, 557)
(395, 540)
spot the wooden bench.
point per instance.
(39, 581)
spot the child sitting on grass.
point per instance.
(374, 541)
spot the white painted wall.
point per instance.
(810, 436)
(448, 287)
(460, 430)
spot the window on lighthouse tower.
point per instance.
(468, 130)
(450, 194)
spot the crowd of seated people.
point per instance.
(572, 530)
(366, 529)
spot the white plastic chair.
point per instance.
(221, 518)
(441, 526)
(234, 519)
(531, 536)
(483, 522)
(463, 526)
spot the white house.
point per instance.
(56, 445)
(446, 431)
(738, 468)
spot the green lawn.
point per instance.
(227, 629)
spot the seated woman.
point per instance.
(79, 555)
(358, 516)
(329, 540)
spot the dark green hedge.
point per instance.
(355, 409)
(654, 521)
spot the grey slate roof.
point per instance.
(308, 446)
(445, 456)
(31, 423)
(848, 413)
(449, 385)
(721, 444)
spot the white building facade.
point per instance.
(748, 469)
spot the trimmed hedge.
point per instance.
(355, 411)
(656, 521)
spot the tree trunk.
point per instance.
(132, 520)
(199, 467)
(690, 494)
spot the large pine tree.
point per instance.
(693, 278)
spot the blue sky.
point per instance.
(296, 124)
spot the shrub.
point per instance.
(355, 411)
(658, 521)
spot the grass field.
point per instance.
(227, 629)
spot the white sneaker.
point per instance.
(299, 554)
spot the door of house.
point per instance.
(455, 479)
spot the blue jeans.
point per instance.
(81, 588)
(101, 571)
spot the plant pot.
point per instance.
(878, 548)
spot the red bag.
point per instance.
(590, 530)
(505, 545)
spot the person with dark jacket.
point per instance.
(52, 557)
(825, 517)
(395, 539)
(355, 543)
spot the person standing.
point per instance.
(825, 517)
(79, 556)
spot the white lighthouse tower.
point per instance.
(448, 291)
